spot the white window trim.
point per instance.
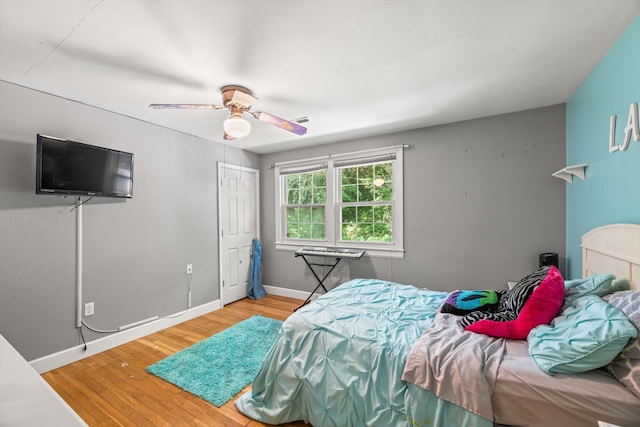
(332, 232)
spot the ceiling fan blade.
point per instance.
(281, 123)
(189, 106)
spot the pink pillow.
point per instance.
(542, 306)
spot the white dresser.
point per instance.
(26, 399)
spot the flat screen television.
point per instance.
(75, 168)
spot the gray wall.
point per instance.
(480, 203)
(135, 250)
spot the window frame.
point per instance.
(333, 202)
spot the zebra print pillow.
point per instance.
(511, 302)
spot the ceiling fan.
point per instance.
(238, 100)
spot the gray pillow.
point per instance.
(626, 366)
(598, 284)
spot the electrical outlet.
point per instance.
(89, 309)
(189, 268)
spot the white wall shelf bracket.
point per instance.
(568, 172)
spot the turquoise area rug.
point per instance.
(219, 367)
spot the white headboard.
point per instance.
(613, 249)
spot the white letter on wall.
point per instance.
(632, 127)
(612, 135)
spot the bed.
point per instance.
(356, 355)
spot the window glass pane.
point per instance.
(319, 187)
(305, 230)
(320, 178)
(317, 215)
(382, 188)
(292, 223)
(319, 195)
(365, 232)
(349, 231)
(365, 192)
(306, 179)
(382, 214)
(293, 197)
(365, 214)
(382, 232)
(365, 174)
(350, 193)
(292, 215)
(292, 230)
(383, 192)
(383, 171)
(305, 214)
(292, 181)
(306, 196)
(349, 176)
(317, 231)
(349, 214)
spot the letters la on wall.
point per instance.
(631, 129)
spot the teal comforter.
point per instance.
(338, 361)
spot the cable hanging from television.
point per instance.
(77, 204)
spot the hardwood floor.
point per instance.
(113, 389)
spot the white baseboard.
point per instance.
(286, 292)
(73, 354)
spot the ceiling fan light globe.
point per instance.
(237, 127)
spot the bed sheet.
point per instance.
(458, 366)
(526, 396)
(338, 361)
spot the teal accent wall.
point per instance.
(611, 191)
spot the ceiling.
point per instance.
(355, 68)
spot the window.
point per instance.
(305, 206)
(346, 200)
(366, 202)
